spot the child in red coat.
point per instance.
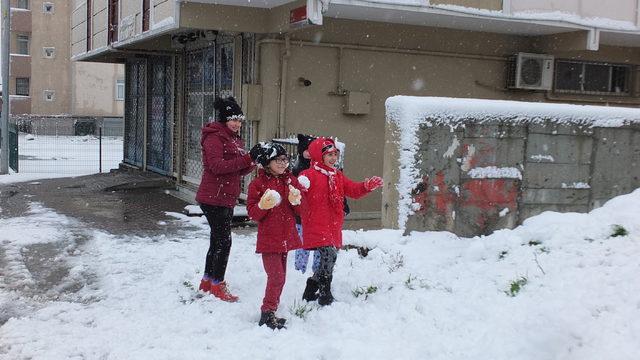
(323, 213)
(273, 201)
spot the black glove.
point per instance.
(255, 152)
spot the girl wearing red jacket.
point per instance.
(273, 201)
(224, 163)
(323, 213)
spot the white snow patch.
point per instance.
(492, 172)
(468, 157)
(581, 300)
(503, 212)
(452, 148)
(576, 185)
(542, 158)
(194, 210)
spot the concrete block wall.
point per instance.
(563, 168)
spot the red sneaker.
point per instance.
(205, 285)
(222, 292)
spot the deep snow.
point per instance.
(437, 296)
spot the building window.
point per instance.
(49, 95)
(49, 52)
(112, 19)
(582, 77)
(22, 86)
(47, 8)
(23, 4)
(120, 90)
(23, 45)
(146, 14)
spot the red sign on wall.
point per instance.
(298, 16)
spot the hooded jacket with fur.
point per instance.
(323, 203)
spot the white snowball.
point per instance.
(276, 195)
(304, 181)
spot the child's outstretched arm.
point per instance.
(357, 190)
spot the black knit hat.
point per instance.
(270, 151)
(228, 109)
(303, 142)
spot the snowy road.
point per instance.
(424, 296)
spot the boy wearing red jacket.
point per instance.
(273, 201)
(323, 213)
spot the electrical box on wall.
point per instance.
(252, 101)
(357, 103)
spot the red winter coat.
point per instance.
(277, 226)
(224, 163)
(322, 217)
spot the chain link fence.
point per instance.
(74, 146)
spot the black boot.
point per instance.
(281, 321)
(311, 291)
(269, 318)
(325, 298)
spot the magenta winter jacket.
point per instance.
(224, 162)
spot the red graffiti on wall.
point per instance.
(438, 195)
(444, 200)
(491, 193)
(490, 196)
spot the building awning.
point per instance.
(413, 12)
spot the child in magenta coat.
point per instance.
(273, 202)
(323, 213)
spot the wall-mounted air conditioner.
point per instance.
(530, 71)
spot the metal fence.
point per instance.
(69, 145)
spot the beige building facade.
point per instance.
(327, 67)
(44, 82)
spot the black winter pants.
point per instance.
(219, 218)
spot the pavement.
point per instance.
(122, 202)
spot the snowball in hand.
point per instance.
(276, 196)
(269, 200)
(304, 181)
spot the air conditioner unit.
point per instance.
(530, 71)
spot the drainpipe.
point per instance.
(506, 7)
(283, 85)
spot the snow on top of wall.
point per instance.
(454, 111)
(410, 112)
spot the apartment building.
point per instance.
(44, 83)
(326, 67)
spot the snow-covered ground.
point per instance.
(561, 286)
(70, 155)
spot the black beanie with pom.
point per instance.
(228, 109)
